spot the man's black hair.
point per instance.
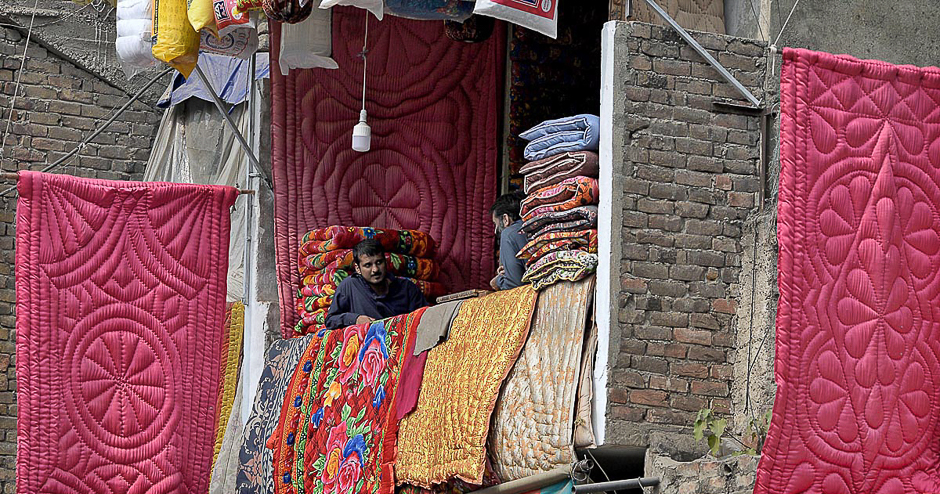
(508, 204)
(368, 247)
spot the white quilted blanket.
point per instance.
(535, 414)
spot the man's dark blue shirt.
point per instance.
(354, 297)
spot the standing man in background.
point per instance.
(505, 216)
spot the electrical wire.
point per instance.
(365, 51)
(750, 329)
(100, 129)
(784, 27)
(19, 76)
(757, 20)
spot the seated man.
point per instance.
(505, 215)
(371, 293)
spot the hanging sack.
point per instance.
(308, 44)
(133, 42)
(537, 15)
(201, 16)
(175, 40)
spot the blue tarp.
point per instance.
(228, 76)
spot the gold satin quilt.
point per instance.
(445, 437)
(535, 415)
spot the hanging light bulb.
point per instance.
(362, 133)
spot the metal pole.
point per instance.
(246, 279)
(616, 485)
(228, 119)
(704, 53)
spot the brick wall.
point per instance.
(58, 104)
(690, 180)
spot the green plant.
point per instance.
(712, 428)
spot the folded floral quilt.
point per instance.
(571, 265)
(570, 193)
(554, 169)
(579, 218)
(348, 421)
(414, 242)
(549, 242)
(398, 264)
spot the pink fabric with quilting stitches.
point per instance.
(432, 106)
(120, 304)
(858, 325)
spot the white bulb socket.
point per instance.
(362, 134)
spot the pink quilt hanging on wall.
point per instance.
(120, 304)
(432, 106)
(858, 323)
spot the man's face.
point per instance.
(501, 222)
(371, 268)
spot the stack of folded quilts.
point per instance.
(560, 211)
(326, 260)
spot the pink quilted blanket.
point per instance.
(120, 304)
(858, 398)
(432, 106)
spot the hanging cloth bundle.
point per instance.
(289, 11)
(248, 5)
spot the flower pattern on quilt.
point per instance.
(859, 228)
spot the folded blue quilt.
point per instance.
(551, 137)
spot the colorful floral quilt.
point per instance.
(284, 437)
(549, 242)
(349, 428)
(579, 218)
(568, 194)
(414, 242)
(445, 437)
(404, 265)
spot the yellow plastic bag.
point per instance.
(175, 40)
(201, 15)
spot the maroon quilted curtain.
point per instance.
(432, 106)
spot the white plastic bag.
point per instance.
(537, 15)
(239, 43)
(134, 34)
(374, 6)
(308, 44)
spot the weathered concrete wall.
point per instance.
(58, 104)
(896, 32)
(690, 183)
(741, 18)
